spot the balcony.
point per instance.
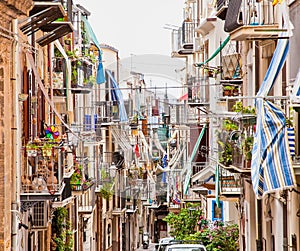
(43, 172)
(87, 202)
(198, 92)
(82, 80)
(108, 112)
(221, 8)
(44, 16)
(183, 40)
(236, 144)
(79, 181)
(82, 186)
(58, 80)
(251, 20)
(230, 184)
(296, 165)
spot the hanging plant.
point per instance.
(76, 178)
(106, 190)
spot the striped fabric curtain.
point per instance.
(271, 166)
(291, 139)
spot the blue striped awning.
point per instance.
(271, 166)
(117, 96)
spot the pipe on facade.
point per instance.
(17, 138)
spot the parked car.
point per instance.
(163, 243)
(185, 247)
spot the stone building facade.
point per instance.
(10, 11)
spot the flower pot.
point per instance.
(31, 152)
(227, 93)
(47, 152)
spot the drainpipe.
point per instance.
(16, 138)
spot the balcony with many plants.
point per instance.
(45, 163)
(235, 140)
(80, 182)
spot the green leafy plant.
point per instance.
(62, 234)
(219, 237)
(106, 190)
(289, 122)
(32, 146)
(189, 224)
(228, 88)
(57, 53)
(76, 177)
(229, 125)
(74, 74)
(225, 153)
(247, 147)
(238, 107)
(47, 149)
(185, 222)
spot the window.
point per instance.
(217, 212)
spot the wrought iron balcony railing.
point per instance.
(183, 39)
(44, 168)
(198, 91)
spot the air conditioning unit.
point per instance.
(198, 44)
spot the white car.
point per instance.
(163, 243)
(186, 247)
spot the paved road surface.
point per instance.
(150, 248)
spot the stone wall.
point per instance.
(9, 10)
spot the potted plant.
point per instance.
(76, 179)
(235, 91)
(225, 153)
(106, 190)
(229, 125)
(31, 149)
(227, 90)
(47, 150)
(247, 149)
(238, 107)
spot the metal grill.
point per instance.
(39, 215)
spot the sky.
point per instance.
(134, 26)
(137, 29)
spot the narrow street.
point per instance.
(182, 121)
(150, 248)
